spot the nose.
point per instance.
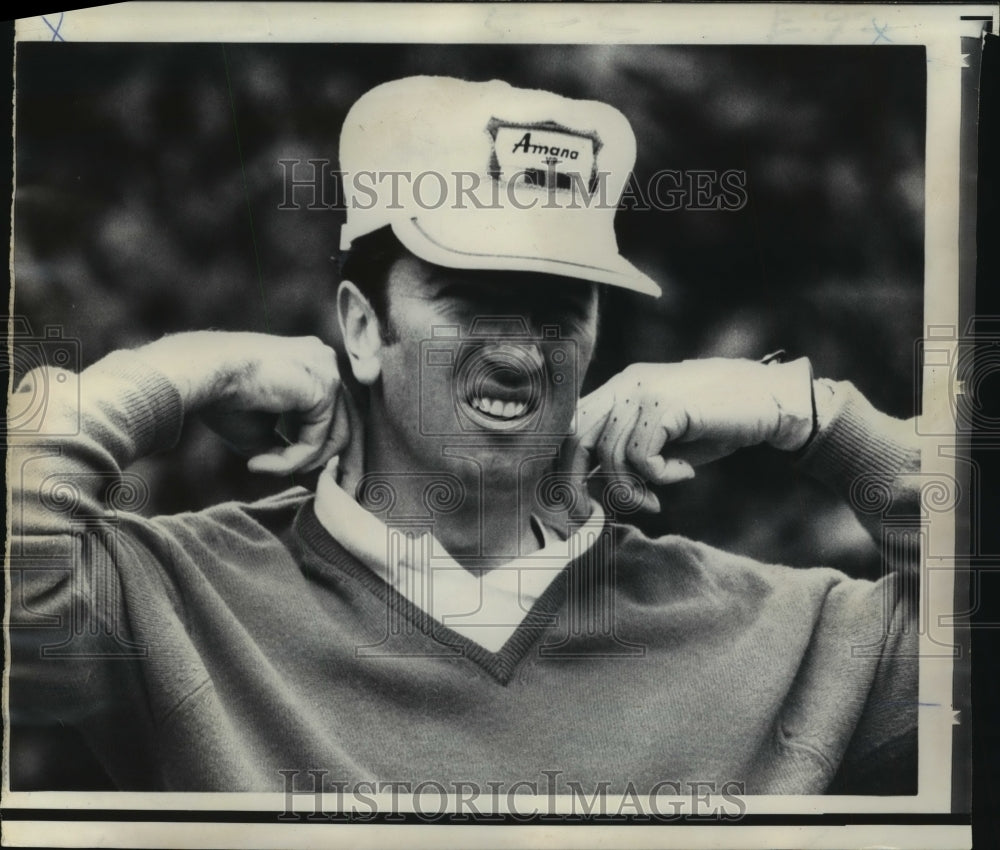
(502, 370)
(501, 354)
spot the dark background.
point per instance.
(149, 186)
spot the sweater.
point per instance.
(211, 651)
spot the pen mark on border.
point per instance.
(55, 29)
(880, 32)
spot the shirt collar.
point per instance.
(485, 608)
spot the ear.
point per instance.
(361, 332)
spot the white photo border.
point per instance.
(940, 30)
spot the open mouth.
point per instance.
(501, 385)
(497, 409)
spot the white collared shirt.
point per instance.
(485, 608)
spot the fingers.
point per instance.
(298, 377)
(668, 470)
(323, 432)
(302, 455)
(616, 440)
(624, 432)
(604, 424)
(651, 441)
(592, 411)
(322, 427)
(282, 461)
(634, 443)
(612, 440)
(626, 444)
(338, 436)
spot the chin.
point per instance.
(501, 466)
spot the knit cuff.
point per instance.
(150, 405)
(859, 440)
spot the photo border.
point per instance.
(772, 821)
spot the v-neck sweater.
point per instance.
(485, 606)
(217, 649)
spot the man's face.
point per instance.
(489, 362)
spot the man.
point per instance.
(459, 599)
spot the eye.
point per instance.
(574, 307)
(452, 290)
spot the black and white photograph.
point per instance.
(412, 426)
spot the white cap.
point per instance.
(488, 176)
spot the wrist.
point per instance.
(194, 362)
(792, 391)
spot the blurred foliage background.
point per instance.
(149, 195)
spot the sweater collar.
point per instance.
(487, 608)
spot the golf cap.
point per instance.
(486, 176)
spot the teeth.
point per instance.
(497, 408)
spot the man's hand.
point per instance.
(659, 421)
(228, 378)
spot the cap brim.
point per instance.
(460, 240)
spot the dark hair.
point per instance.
(367, 265)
